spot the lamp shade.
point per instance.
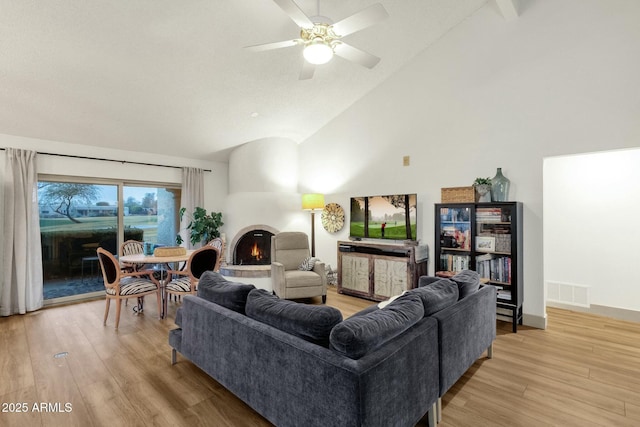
(312, 201)
(317, 52)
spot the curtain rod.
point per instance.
(110, 160)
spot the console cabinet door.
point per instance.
(390, 277)
(355, 273)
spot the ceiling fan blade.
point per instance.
(360, 20)
(356, 55)
(307, 71)
(295, 13)
(276, 45)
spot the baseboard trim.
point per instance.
(539, 322)
(601, 310)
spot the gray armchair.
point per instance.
(288, 250)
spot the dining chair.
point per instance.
(121, 285)
(131, 247)
(219, 244)
(185, 282)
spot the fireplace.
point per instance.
(252, 246)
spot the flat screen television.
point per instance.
(390, 217)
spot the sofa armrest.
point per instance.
(278, 283)
(320, 269)
(465, 330)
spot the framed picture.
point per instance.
(485, 243)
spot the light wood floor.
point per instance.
(584, 370)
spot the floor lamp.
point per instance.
(311, 202)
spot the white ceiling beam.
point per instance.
(508, 8)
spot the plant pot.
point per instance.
(483, 193)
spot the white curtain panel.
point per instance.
(21, 285)
(192, 197)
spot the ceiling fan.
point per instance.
(321, 38)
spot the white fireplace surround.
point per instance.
(263, 189)
(245, 230)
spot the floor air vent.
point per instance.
(568, 293)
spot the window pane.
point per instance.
(75, 219)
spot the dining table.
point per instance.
(163, 262)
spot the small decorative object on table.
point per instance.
(500, 187)
(169, 251)
(483, 189)
(147, 248)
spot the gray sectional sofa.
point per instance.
(466, 329)
(299, 364)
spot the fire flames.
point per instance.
(256, 252)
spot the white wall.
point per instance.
(590, 229)
(263, 187)
(560, 79)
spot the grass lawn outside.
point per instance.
(148, 223)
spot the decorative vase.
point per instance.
(483, 192)
(500, 187)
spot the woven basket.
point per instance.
(169, 251)
(458, 195)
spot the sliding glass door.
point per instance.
(78, 216)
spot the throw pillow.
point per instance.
(468, 282)
(307, 264)
(214, 287)
(437, 295)
(312, 323)
(358, 335)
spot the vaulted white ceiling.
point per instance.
(172, 77)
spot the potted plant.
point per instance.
(202, 227)
(483, 189)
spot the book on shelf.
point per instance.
(496, 269)
(454, 263)
(488, 215)
(504, 294)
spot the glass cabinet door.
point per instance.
(454, 229)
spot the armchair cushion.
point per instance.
(302, 279)
(358, 335)
(215, 288)
(290, 248)
(310, 322)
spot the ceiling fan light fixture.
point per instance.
(317, 52)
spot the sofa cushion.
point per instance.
(312, 323)
(215, 288)
(468, 282)
(426, 280)
(437, 295)
(358, 335)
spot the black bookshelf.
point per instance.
(487, 238)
